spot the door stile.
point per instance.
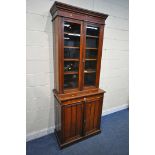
(61, 54)
(100, 112)
(81, 56)
(99, 58)
(84, 117)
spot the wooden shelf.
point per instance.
(72, 34)
(71, 47)
(90, 48)
(91, 59)
(78, 35)
(71, 59)
(89, 71)
(90, 36)
(70, 72)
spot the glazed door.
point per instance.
(93, 110)
(72, 50)
(92, 54)
(82, 48)
(72, 121)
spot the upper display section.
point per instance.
(77, 47)
(59, 8)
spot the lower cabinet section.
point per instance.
(77, 118)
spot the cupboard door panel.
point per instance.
(67, 122)
(79, 119)
(73, 114)
(73, 121)
(92, 116)
(93, 109)
(87, 119)
(97, 114)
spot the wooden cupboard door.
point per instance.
(72, 121)
(93, 109)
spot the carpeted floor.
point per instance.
(113, 140)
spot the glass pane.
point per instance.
(90, 65)
(71, 81)
(92, 30)
(91, 42)
(71, 66)
(71, 27)
(71, 40)
(71, 53)
(89, 79)
(91, 54)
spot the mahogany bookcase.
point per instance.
(77, 47)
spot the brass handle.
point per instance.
(85, 99)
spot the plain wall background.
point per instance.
(39, 73)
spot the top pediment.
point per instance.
(69, 8)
